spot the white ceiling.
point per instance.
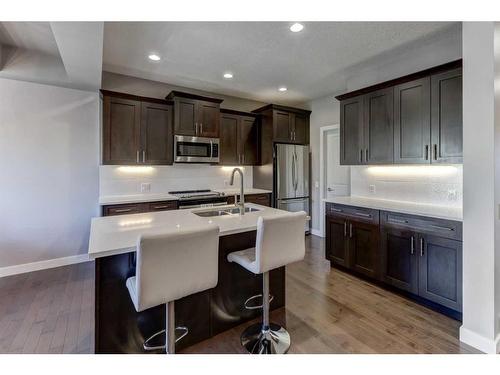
(262, 55)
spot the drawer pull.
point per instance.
(335, 210)
(345, 228)
(350, 230)
(160, 207)
(120, 210)
(421, 247)
(363, 215)
(442, 228)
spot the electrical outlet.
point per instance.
(372, 189)
(316, 184)
(145, 187)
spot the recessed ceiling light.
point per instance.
(228, 75)
(296, 27)
(282, 89)
(154, 57)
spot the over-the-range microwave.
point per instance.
(189, 149)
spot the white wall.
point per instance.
(49, 171)
(116, 180)
(481, 229)
(154, 89)
(440, 185)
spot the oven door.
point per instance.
(196, 149)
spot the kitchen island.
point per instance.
(120, 329)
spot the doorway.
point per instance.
(335, 179)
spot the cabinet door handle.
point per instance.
(398, 221)
(435, 152)
(336, 209)
(363, 215)
(201, 128)
(345, 228)
(120, 210)
(350, 230)
(143, 156)
(426, 152)
(137, 156)
(442, 228)
(412, 245)
(366, 156)
(160, 207)
(361, 156)
(421, 247)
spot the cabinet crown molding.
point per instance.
(179, 94)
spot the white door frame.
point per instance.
(322, 174)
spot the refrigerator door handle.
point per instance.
(296, 182)
(293, 171)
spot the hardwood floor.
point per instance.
(327, 311)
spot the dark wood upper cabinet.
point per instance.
(440, 271)
(239, 138)
(229, 139)
(351, 131)
(399, 258)
(446, 117)
(121, 130)
(412, 125)
(412, 119)
(157, 135)
(195, 115)
(379, 127)
(136, 130)
(289, 125)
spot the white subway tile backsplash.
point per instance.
(119, 180)
(419, 184)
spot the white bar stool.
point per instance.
(171, 266)
(280, 241)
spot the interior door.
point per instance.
(399, 258)
(412, 122)
(208, 119)
(157, 134)
(229, 139)
(351, 131)
(440, 271)
(379, 127)
(337, 177)
(446, 117)
(121, 131)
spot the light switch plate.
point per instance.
(145, 187)
(372, 189)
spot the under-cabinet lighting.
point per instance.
(136, 222)
(130, 169)
(413, 170)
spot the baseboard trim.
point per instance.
(479, 342)
(42, 265)
(317, 232)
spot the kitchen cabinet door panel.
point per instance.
(301, 129)
(336, 241)
(208, 119)
(351, 131)
(446, 117)
(440, 271)
(379, 127)
(282, 126)
(399, 259)
(121, 130)
(229, 153)
(412, 130)
(248, 139)
(186, 113)
(157, 134)
(364, 248)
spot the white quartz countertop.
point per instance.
(429, 210)
(249, 191)
(111, 235)
(135, 198)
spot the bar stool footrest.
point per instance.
(255, 307)
(149, 347)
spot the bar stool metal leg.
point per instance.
(265, 337)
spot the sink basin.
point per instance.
(222, 212)
(211, 213)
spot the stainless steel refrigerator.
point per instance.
(292, 178)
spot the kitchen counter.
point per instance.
(111, 235)
(429, 210)
(247, 191)
(135, 198)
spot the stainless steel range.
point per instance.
(199, 198)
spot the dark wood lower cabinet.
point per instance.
(440, 271)
(120, 329)
(399, 261)
(417, 255)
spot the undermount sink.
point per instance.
(222, 212)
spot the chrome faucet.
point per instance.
(241, 203)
